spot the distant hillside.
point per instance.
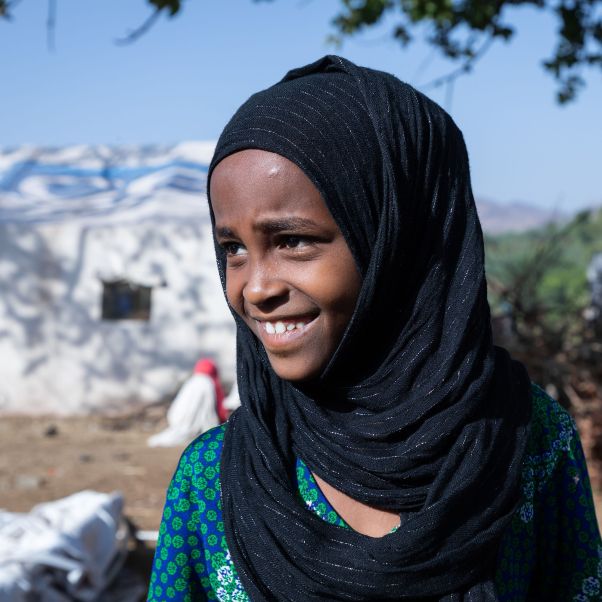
(549, 263)
(497, 218)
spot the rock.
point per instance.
(28, 481)
(51, 430)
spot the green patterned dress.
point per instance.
(550, 552)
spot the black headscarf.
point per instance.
(417, 411)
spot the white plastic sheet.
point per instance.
(66, 550)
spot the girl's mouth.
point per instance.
(279, 333)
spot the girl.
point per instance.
(385, 449)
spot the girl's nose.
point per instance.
(264, 286)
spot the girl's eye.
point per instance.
(293, 242)
(233, 249)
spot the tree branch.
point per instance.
(466, 67)
(141, 30)
(6, 7)
(51, 25)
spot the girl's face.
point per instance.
(290, 274)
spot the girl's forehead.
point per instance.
(258, 185)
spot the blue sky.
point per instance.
(184, 79)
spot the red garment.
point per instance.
(208, 367)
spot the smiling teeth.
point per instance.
(281, 327)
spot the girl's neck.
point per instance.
(362, 518)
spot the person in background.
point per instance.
(208, 367)
(198, 406)
(232, 400)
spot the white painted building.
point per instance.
(108, 286)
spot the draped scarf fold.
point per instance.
(417, 412)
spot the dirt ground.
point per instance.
(45, 458)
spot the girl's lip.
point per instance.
(278, 341)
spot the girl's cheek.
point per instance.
(234, 295)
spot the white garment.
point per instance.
(69, 549)
(191, 413)
(232, 400)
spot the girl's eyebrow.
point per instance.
(271, 226)
(224, 232)
(276, 225)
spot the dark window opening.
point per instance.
(123, 300)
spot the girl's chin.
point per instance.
(293, 370)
